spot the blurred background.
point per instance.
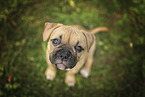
(119, 60)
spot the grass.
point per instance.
(118, 68)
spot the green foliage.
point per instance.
(119, 66)
(11, 10)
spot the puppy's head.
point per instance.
(66, 45)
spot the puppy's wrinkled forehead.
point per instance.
(69, 35)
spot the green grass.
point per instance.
(118, 68)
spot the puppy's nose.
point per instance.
(64, 55)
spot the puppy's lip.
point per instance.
(68, 69)
(61, 66)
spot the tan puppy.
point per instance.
(69, 48)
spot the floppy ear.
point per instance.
(89, 39)
(49, 28)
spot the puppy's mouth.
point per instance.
(64, 58)
(62, 67)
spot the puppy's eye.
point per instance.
(78, 49)
(56, 41)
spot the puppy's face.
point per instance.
(66, 47)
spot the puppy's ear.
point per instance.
(49, 28)
(89, 38)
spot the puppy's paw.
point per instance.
(50, 74)
(85, 73)
(70, 80)
(71, 84)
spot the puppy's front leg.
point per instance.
(86, 69)
(70, 75)
(51, 70)
(70, 79)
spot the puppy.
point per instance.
(69, 48)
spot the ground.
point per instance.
(118, 67)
